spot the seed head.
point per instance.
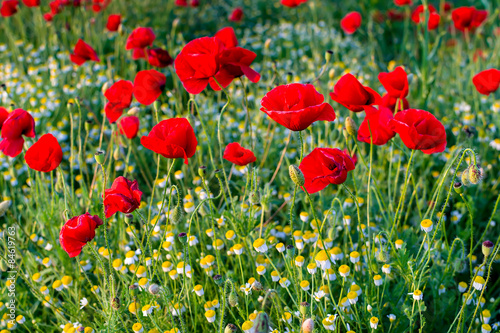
(487, 247)
(154, 289)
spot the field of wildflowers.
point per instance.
(249, 166)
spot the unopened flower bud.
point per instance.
(308, 326)
(351, 126)
(116, 154)
(458, 187)
(303, 308)
(4, 206)
(475, 174)
(105, 87)
(262, 323)
(331, 73)
(115, 303)
(154, 289)
(254, 198)
(231, 328)
(133, 290)
(267, 43)
(487, 247)
(257, 286)
(296, 175)
(100, 157)
(232, 299)
(202, 171)
(177, 214)
(133, 111)
(465, 177)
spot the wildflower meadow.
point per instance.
(256, 166)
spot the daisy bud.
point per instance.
(487, 247)
(100, 157)
(308, 326)
(475, 174)
(351, 126)
(296, 175)
(154, 289)
(231, 328)
(262, 323)
(458, 187)
(115, 303)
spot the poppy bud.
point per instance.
(133, 290)
(262, 323)
(182, 237)
(351, 126)
(303, 308)
(232, 299)
(328, 55)
(202, 171)
(257, 286)
(382, 256)
(331, 73)
(133, 111)
(218, 279)
(115, 303)
(154, 289)
(116, 154)
(176, 215)
(88, 124)
(4, 206)
(267, 43)
(100, 157)
(308, 325)
(487, 247)
(475, 174)
(458, 187)
(175, 23)
(465, 177)
(231, 328)
(254, 197)
(296, 175)
(105, 87)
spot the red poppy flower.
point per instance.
(376, 122)
(48, 17)
(123, 196)
(296, 106)
(198, 62)
(44, 155)
(351, 22)
(233, 63)
(99, 5)
(129, 126)
(325, 166)
(4, 114)
(119, 97)
(148, 86)
(419, 130)
(392, 103)
(238, 155)
(236, 15)
(9, 8)
(395, 82)
(114, 21)
(77, 232)
(292, 3)
(172, 138)
(83, 52)
(17, 124)
(181, 3)
(139, 54)
(140, 38)
(227, 37)
(354, 157)
(55, 7)
(434, 20)
(468, 18)
(353, 95)
(159, 58)
(417, 15)
(487, 81)
(195, 3)
(31, 3)
(403, 2)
